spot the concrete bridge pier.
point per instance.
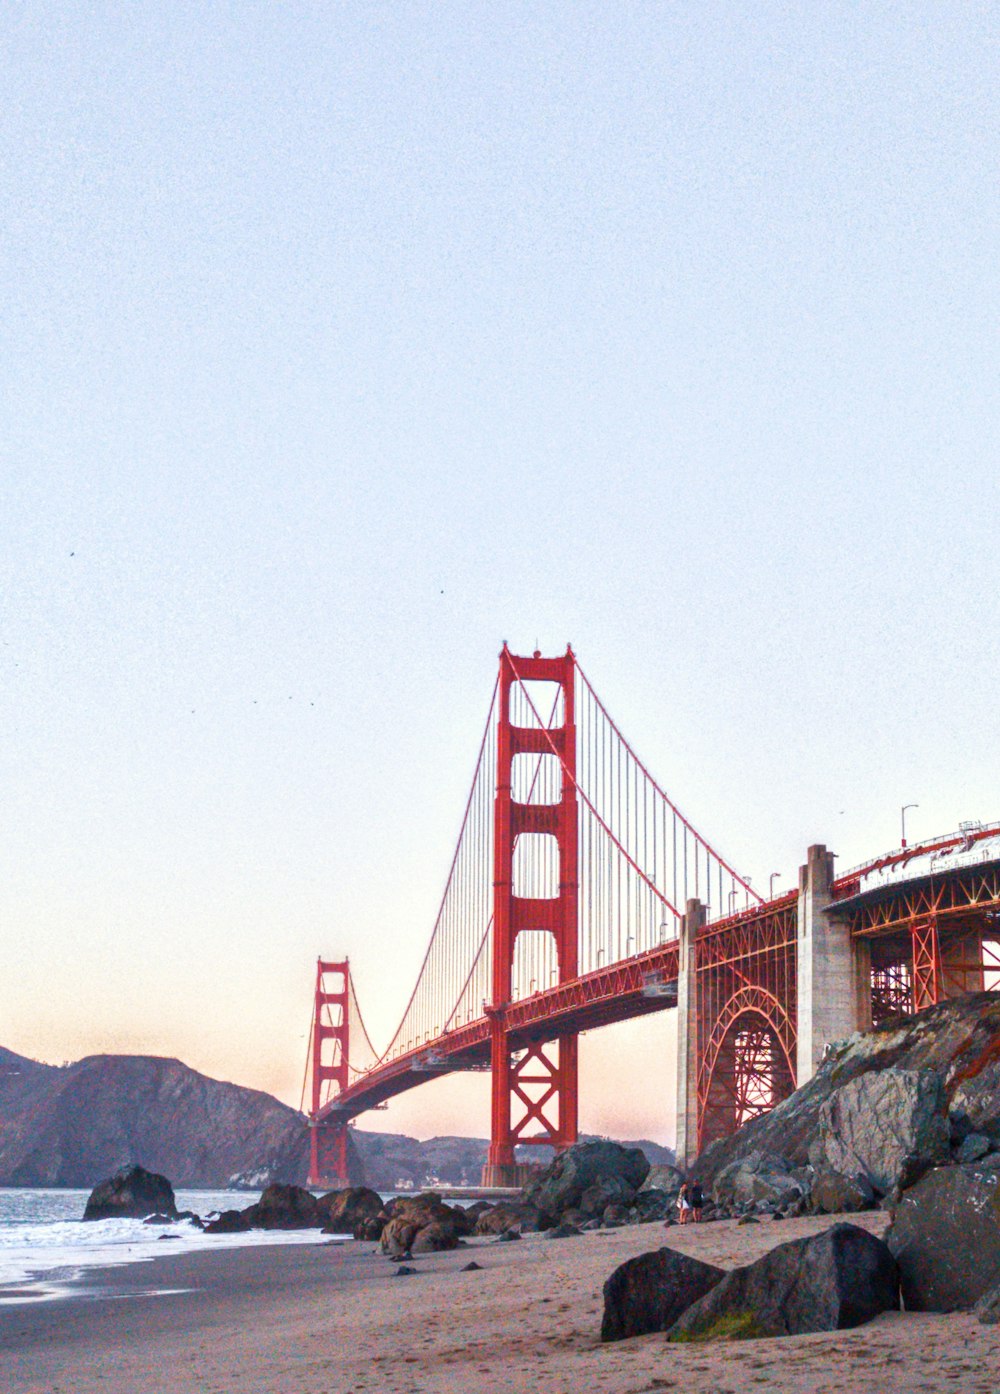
(692, 921)
(833, 973)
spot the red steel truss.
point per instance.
(521, 1099)
(946, 897)
(330, 1056)
(930, 940)
(745, 999)
(613, 859)
(892, 991)
(926, 951)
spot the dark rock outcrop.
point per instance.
(132, 1193)
(832, 1193)
(284, 1207)
(651, 1205)
(888, 1126)
(280, 1207)
(427, 1208)
(422, 1224)
(228, 1222)
(958, 1040)
(507, 1215)
(753, 1179)
(343, 1212)
(827, 1282)
(397, 1238)
(973, 1147)
(435, 1237)
(945, 1235)
(586, 1178)
(662, 1176)
(650, 1292)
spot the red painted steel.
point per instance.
(926, 961)
(521, 1100)
(620, 992)
(745, 993)
(331, 1026)
(646, 983)
(929, 938)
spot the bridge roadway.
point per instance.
(647, 983)
(621, 991)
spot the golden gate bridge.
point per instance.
(580, 895)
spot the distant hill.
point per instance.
(76, 1124)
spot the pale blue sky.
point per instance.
(342, 342)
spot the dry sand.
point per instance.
(335, 1320)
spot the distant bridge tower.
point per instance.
(534, 1094)
(330, 1056)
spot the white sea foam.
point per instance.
(51, 1253)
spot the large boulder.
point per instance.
(586, 1178)
(428, 1208)
(423, 1224)
(945, 1235)
(507, 1215)
(827, 1282)
(889, 1126)
(398, 1236)
(436, 1236)
(284, 1207)
(341, 1212)
(832, 1193)
(651, 1205)
(229, 1222)
(650, 1292)
(663, 1177)
(757, 1180)
(132, 1193)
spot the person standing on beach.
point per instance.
(683, 1204)
(697, 1201)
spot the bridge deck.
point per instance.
(636, 987)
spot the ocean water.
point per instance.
(45, 1247)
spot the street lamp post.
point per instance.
(770, 885)
(902, 820)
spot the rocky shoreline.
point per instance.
(905, 1119)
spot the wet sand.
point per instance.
(334, 1319)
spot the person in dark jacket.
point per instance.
(697, 1199)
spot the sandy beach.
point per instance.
(333, 1318)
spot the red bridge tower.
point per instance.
(328, 1139)
(538, 1089)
